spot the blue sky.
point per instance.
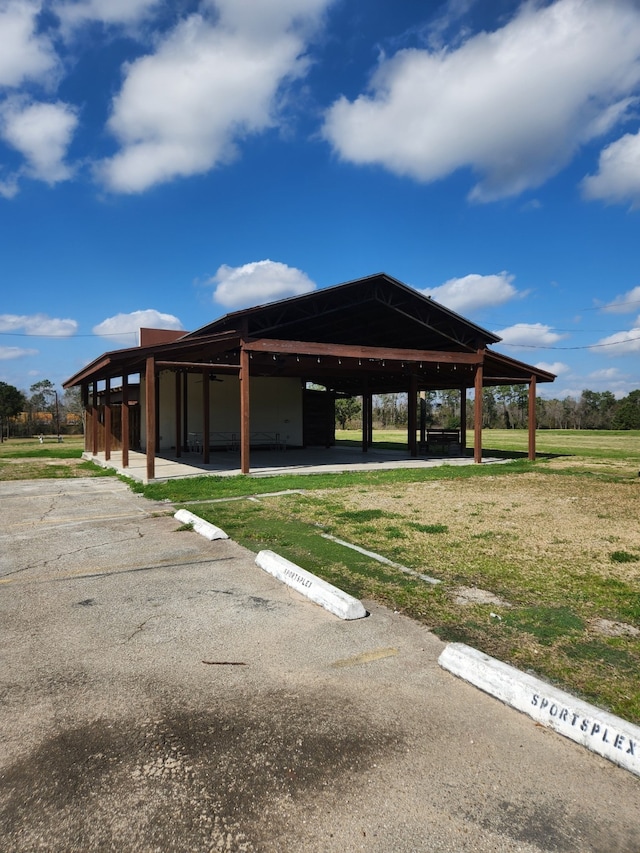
(163, 162)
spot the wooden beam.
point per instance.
(351, 351)
(150, 415)
(198, 365)
(125, 421)
(491, 379)
(532, 418)
(477, 419)
(245, 404)
(133, 360)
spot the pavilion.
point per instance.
(268, 376)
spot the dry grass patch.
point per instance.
(41, 469)
(527, 520)
(30, 459)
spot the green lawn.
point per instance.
(578, 443)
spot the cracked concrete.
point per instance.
(125, 726)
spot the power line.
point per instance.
(588, 346)
(610, 305)
(65, 337)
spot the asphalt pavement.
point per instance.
(160, 692)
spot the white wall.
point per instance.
(276, 407)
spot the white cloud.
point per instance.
(264, 17)
(618, 177)
(9, 186)
(608, 374)
(182, 110)
(527, 335)
(451, 12)
(513, 105)
(621, 343)
(257, 283)
(125, 328)
(41, 132)
(625, 303)
(24, 54)
(556, 367)
(39, 325)
(474, 292)
(609, 379)
(11, 353)
(75, 14)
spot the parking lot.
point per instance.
(162, 693)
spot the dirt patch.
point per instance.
(614, 629)
(473, 595)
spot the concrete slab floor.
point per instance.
(268, 463)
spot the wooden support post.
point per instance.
(206, 417)
(463, 419)
(84, 390)
(125, 421)
(178, 413)
(412, 416)
(365, 416)
(370, 419)
(150, 415)
(185, 411)
(245, 403)
(157, 374)
(477, 414)
(532, 418)
(94, 419)
(423, 418)
(330, 426)
(107, 420)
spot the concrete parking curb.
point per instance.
(320, 592)
(597, 730)
(204, 528)
(325, 594)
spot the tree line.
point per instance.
(503, 407)
(43, 410)
(40, 411)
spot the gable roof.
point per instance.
(374, 326)
(377, 310)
